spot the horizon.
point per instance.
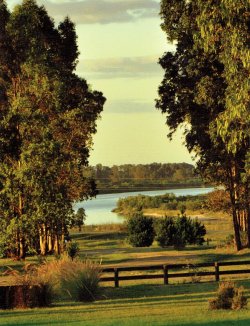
(193, 164)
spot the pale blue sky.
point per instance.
(120, 42)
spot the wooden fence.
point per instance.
(173, 271)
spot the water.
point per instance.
(98, 210)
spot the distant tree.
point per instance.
(73, 249)
(140, 230)
(218, 200)
(79, 218)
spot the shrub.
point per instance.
(140, 230)
(72, 249)
(179, 232)
(79, 279)
(165, 232)
(228, 297)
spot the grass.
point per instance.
(140, 302)
(184, 304)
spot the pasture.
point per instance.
(142, 302)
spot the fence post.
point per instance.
(217, 271)
(116, 271)
(165, 271)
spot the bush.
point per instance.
(165, 232)
(140, 230)
(179, 232)
(228, 297)
(72, 249)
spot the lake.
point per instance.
(98, 210)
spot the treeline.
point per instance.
(154, 175)
(217, 200)
(127, 206)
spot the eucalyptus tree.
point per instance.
(195, 93)
(225, 31)
(48, 119)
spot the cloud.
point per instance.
(125, 106)
(128, 67)
(102, 11)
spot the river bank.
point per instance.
(106, 191)
(99, 210)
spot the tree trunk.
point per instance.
(56, 245)
(238, 243)
(247, 213)
(234, 197)
(23, 249)
(42, 245)
(50, 242)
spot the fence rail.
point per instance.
(175, 271)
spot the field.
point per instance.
(141, 302)
(183, 304)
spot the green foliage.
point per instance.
(165, 232)
(72, 249)
(179, 231)
(140, 230)
(47, 118)
(131, 176)
(79, 219)
(229, 296)
(128, 205)
(206, 89)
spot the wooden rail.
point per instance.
(194, 270)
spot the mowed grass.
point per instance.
(112, 248)
(140, 302)
(183, 304)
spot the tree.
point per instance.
(227, 23)
(140, 230)
(165, 232)
(179, 231)
(194, 93)
(79, 218)
(48, 117)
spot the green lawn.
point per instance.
(183, 304)
(138, 302)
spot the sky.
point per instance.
(120, 43)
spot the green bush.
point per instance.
(229, 297)
(72, 249)
(179, 231)
(140, 230)
(165, 232)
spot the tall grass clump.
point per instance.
(229, 296)
(77, 279)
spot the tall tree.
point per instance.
(48, 119)
(194, 93)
